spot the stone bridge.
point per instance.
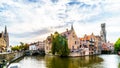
(35, 52)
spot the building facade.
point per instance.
(2, 43)
(40, 45)
(87, 45)
(73, 40)
(48, 44)
(4, 40)
(108, 47)
(32, 47)
(92, 43)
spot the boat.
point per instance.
(14, 65)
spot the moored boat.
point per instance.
(14, 65)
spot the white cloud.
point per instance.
(23, 16)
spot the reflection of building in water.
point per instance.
(78, 62)
(119, 65)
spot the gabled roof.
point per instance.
(81, 39)
(88, 37)
(67, 33)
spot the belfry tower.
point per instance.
(6, 37)
(103, 32)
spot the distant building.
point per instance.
(92, 42)
(48, 44)
(4, 40)
(108, 46)
(87, 45)
(2, 43)
(103, 33)
(73, 41)
(40, 45)
(32, 47)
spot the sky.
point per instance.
(33, 20)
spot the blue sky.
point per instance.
(32, 20)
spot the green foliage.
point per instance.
(117, 45)
(59, 45)
(20, 47)
(26, 46)
(16, 48)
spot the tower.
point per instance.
(6, 37)
(72, 27)
(103, 32)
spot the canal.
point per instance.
(101, 61)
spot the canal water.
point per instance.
(101, 61)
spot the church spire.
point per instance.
(6, 36)
(5, 29)
(2, 35)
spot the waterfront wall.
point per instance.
(17, 55)
(11, 56)
(7, 58)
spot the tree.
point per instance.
(16, 48)
(59, 45)
(117, 45)
(26, 46)
(21, 47)
(54, 42)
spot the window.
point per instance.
(80, 46)
(72, 47)
(73, 36)
(75, 42)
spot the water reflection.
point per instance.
(76, 62)
(119, 65)
(32, 62)
(102, 61)
(111, 61)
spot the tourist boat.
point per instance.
(14, 65)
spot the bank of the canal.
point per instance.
(100, 61)
(8, 58)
